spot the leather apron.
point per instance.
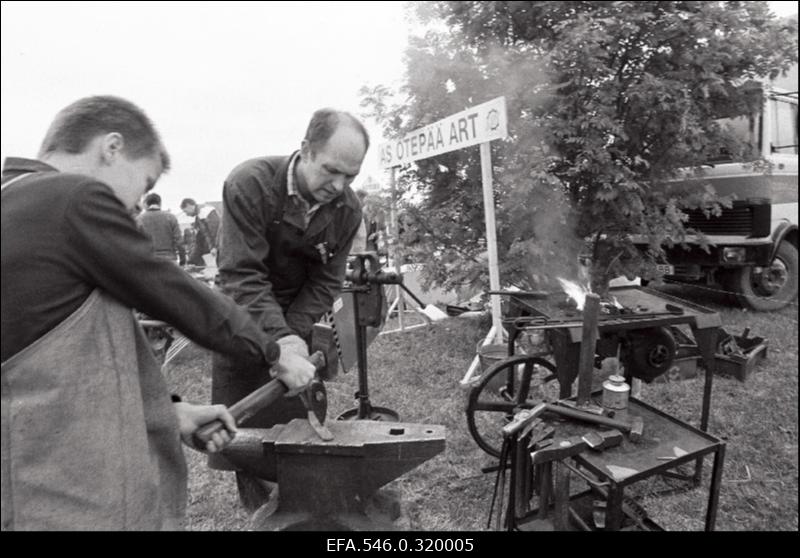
(90, 438)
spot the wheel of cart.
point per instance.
(516, 383)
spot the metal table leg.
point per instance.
(713, 490)
(614, 513)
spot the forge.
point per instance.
(634, 323)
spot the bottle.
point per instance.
(615, 392)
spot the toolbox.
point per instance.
(736, 355)
(739, 355)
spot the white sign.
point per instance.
(479, 124)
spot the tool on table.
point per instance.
(634, 428)
(314, 397)
(560, 449)
(523, 419)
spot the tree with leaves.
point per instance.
(606, 101)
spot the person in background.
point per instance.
(91, 437)
(372, 223)
(206, 227)
(163, 229)
(288, 223)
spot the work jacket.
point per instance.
(165, 233)
(284, 274)
(286, 277)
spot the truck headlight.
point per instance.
(733, 254)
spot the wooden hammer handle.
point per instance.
(242, 410)
(251, 404)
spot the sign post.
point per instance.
(491, 238)
(480, 124)
(396, 255)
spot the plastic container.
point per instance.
(615, 392)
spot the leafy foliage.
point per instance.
(605, 100)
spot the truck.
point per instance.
(750, 248)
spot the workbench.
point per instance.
(564, 330)
(666, 443)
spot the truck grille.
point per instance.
(732, 221)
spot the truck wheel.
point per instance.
(772, 287)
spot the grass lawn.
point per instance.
(417, 373)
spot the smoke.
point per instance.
(539, 220)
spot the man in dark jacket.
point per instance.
(205, 226)
(163, 229)
(91, 439)
(287, 227)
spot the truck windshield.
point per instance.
(747, 130)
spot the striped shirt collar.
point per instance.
(308, 210)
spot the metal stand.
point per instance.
(399, 304)
(607, 474)
(366, 280)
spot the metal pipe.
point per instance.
(364, 410)
(591, 310)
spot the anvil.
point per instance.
(330, 484)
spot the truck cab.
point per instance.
(750, 249)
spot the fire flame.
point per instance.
(578, 292)
(575, 291)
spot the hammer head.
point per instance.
(637, 427)
(601, 440)
(323, 340)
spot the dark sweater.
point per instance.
(65, 235)
(164, 231)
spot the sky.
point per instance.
(223, 81)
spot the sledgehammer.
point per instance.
(634, 428)
(314, 397)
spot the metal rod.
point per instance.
(520, 504)
(412, 295)
(577, 519)
(589, 480)
(713, 491)
(545, 487)
(591, 310)
(364, 407)
(561, 497)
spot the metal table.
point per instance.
(666, 443)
